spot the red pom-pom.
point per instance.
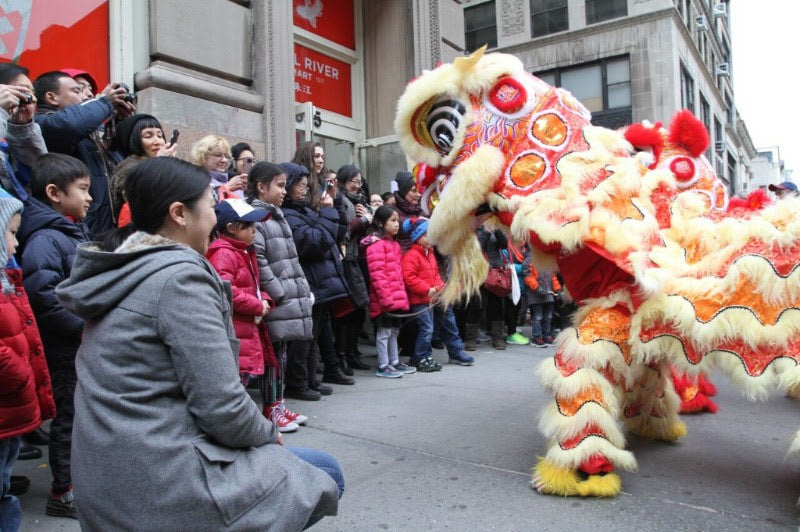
(646, 137)
(687, 131)
(754, 202)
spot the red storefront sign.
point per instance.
(330, 19)
(44, 36)
(322, 80)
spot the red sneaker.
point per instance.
(292, 416)
(275, 414)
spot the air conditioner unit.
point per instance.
(701, 23)
(719, 147)
(720, 10)
(723, 69)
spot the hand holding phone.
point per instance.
(174, 138)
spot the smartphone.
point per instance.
(174, 138)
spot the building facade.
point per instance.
(628, 61)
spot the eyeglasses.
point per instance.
(246, 160)
(356, 181)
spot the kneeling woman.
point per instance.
(165, 435)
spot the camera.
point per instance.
(26, 99)
(129, 95)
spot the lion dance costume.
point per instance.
(667, 272)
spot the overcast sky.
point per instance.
(766, 43)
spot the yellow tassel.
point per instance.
(661, 433)
(608, 485)
(554, 480)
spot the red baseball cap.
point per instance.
(74, 72)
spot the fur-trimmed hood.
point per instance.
(100, 280)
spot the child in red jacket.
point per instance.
(423, 284)
(387, 292)
(234, 258)
(23, 369)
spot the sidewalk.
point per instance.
(453, 450)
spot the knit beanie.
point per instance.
(405, 182)
(123, 131)
(416, 227)
(294, 173)
(9, 206)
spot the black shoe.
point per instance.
(321, 388)
(337, 377)
(437, 344)
(303, 395)
(37, 437)
(29, 452)
(344, 365)
(63, 506)
(423, 365)
(357, 363)
(19, 485)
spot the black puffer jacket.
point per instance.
(492, 244)
(316, 235)
(48, 243)
(73, 131)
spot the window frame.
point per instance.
(482, 5)
(606, 113)
(613, 17)
(534, 14)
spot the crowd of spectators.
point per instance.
(150, 293)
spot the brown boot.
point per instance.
(496, 331)
(471, 337)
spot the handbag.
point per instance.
(498, 281)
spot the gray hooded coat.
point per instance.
(165, 436)
(282, 277)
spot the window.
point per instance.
(729, 112)
(705, 117)
(687, 89)
(548, 16)
(600, 10)
(480, 26)
(604, 87)
(732, 173)
(719, 149)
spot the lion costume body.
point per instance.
(667, 272)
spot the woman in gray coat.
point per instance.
(165, 435)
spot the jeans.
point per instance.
(10, 511)
(324, 461)
(541, 319)
(448, 331)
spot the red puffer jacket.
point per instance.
(421, 273)
(236, 262)
(26, 398)
(387, 292)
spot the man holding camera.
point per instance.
(70, 126)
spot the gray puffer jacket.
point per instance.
(165, 436)
(282, 277)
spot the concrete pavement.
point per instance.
(453, 450)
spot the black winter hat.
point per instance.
(405, 182)
(123, 131)
(294, 172)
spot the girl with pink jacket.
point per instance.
(387, 291)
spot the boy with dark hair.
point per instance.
(49, 235)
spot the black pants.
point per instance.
(326, 345)
(468, 312)
(303, 355)
(346, 330)
(63, 381)
(512, 316)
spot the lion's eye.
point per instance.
(443, 120)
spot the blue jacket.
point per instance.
(316, 235)
(73, 131)
(47, 245)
